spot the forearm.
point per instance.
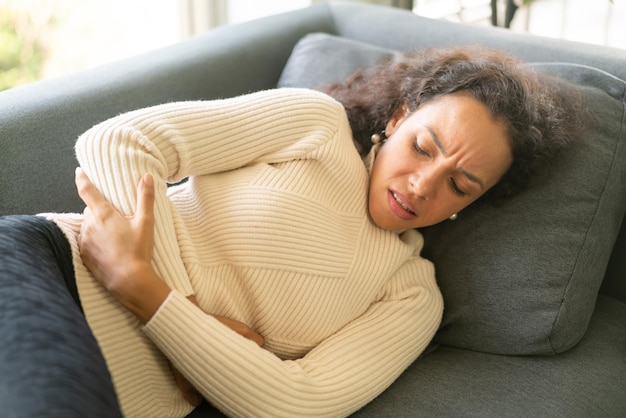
(334, 379)
(142, 292)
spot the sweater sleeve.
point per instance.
(336, 378)
(177, 140)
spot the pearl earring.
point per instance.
(454, 216)
(378, 138)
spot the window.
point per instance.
(48, 38)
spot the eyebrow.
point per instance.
(466, 173)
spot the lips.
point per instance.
(400, 206)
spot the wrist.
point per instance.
(141, 291)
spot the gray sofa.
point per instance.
(535, 321)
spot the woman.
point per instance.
(284, 277)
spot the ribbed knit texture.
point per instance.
(272, 229)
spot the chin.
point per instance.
(394, 226)
(427, 224)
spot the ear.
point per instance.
(396, 120)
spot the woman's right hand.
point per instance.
(117, 249)
(114, 246)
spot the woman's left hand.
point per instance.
(118, 249)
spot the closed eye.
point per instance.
(420, 150)
(455, 188)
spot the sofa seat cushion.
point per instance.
(521, 278)
(586, 381)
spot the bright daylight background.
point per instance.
(47, 38)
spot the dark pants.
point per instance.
(50, 362)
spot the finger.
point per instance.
(83, 235)
(87, 217)
(88, 192)
(145, 197)
(242, 329)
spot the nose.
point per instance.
(424, 184)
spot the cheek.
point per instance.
(448, 203)
(382, 168)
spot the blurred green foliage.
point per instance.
(22, 50)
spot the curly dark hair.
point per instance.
(540, 116)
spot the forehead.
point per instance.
(464, 128)
(462, 118)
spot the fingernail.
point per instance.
(148, 180)
(78, 171)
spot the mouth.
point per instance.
(399, 206)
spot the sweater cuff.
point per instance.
(178, 317)
(155, 316)
(169, 313)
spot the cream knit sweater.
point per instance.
(271, 229)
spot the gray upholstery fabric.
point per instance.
(320, 59)
(522, 278)
(531, 269)
(586, 381)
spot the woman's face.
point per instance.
(436, 161)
